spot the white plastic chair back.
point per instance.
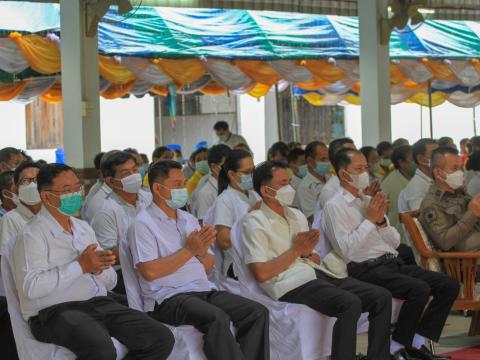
(188, 340)
(28, 347)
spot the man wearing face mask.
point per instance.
(201, 169)
(385, 150)
(225, 136)
(418, 186)
(356, 227)
(171, 256)
(205, 194)
(297, 165)
(8, 196)
(449, 216)
(29, 204)
(317, 167)
(10, 158)
(279, 250)
(62, 277)
(121, 174)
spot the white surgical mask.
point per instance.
(28, 194)
(360, 181)
(12, 196)
(285, 195)
(455, 179)
(132, 183)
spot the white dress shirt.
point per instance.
(416, 190)
(46, 267)
(204, 196)
(352, 236)
(153, 235)
(112, 222)
(328, 191)
(13, 223)
(267, 235)
(307, 194)
(231, 206)
(95, 200)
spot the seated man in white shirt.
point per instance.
(418, 186)
(29, 204)
(98, 192)
(279, 249)
(121, 174)
(170, 253)
(205, 194)
(356, 227)
(308, 191)
(62, 280)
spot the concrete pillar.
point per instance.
(272, 134)
(251, 124)
(374, 73)
(80, 86)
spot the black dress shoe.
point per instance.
(402, 355)
(424, 354)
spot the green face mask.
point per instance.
(202, 166)
(71, 204)
(412, 168)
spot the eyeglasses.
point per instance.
(66, 190)
(27, 181)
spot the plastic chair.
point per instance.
(188, 340)
(27, 346)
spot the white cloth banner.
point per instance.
(147, 71)
(11, 59)
(465, 72)
(227, 74)
(290, 71)
(414, 70)
(34, 88)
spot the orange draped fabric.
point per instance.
(114, 72)
(325, 70)
(259, 71)
(116, 91)
(42, 54)
(11, 91)
(259, 91)
(54, 94)
(213, 88)
(183, 71)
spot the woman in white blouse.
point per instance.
(236, 198)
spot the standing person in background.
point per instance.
(225, 136)
(371, 154)
(385, 150)
(297, 166)
(306, 196)
(10, 158)
(236, 198)
(294, 145)
(204, 196)
(473, 165)
(400, 142)
(463, 150)
(446, 141)
(279, 152)
(8, 197)
(418, 186)
(162, 153)
(201, 169)
(177, 149)
(397, 180)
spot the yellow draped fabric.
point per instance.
(183, 71)
(42, 54)
(414, 86)
(396, 75)
(11, 91)
(421, 98)
(259, 91)
(259, 71)
(54, 94)
(213, 88)
(353, 99)
(315, 83)
(325, 70)
(114, 72)
(116, 91)
(314, 99)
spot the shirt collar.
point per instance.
(272, 216)
(56, 229)
(160, 214)
(347, 195)
(312, 178)
(25, 211)
(423, 177)
(213, 181)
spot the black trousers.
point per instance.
(7, 341)
(346, 299)
(211, 313)
(120, 286)
(415, 286)
(86, 328)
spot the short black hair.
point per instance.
(400, 154)
(294, 154)
(440, 153)
(144, 158)
(217, 153)
(336, 145)
(343, 158)
(160, 169)
(279, 148)
(444, 141)
(384, 146)
(22, 166)
(220, 125)
(473, 162)
(6, 182)
(464, 141)
(198, 151)
(366, 150)
(131, 151)
(420, 147)
(108, 166)
(475, 141)
(312, 147)
(159, 151)
(50, 172)
(98, 159)
(7, 153)
(263, 173)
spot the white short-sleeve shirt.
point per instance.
(13, 223)
(112, 222)
(416, 190)
(46, 267)
(204, 196)
(95, 200)
(153, 235)
(307, 194)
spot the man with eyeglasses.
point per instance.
(121, 173)
(62, 277)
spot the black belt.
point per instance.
(380, 258)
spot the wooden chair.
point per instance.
(462, 266)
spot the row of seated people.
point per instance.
(62, 277)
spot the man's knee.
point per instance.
(349, 304)
(163, 341)
(419, 290)
(382, 298)
(258, 310)
(102, 350)
(219, 317)
(449, 288)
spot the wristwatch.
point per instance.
(381, 223)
